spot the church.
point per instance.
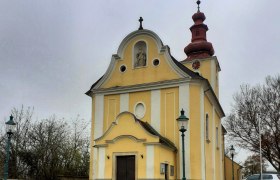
(136, 103)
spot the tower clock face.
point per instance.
(196, 64)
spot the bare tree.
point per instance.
(44, 149)
(76, 152)
(252, 165)
(22, 117)
(252, 105)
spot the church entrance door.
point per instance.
(125, 167)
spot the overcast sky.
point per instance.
(51, 52)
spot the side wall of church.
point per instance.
(196, 132)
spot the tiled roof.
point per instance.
(162, 140)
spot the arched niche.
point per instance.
(140, 54)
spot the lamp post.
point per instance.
(9, 128)
(183, 125)
(232, 152)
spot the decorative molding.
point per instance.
(145, 86)
(100, 145)
(116, 123)
(166, 52)
(138, 114)
(125, 136)
(151, 143)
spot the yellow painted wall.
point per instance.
(126, 145)
(169, 108)
(111, 110)
(228, 169)
(163, 155)
(209, 143)
(146, 74)
(219, 174)
(144, 97)
(205, 70)
(195, 143)
(126, 125)
(169, 114)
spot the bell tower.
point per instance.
(200, 52)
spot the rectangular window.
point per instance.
(217, 137)
(171, 170)
(207, 128)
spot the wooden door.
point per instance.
(125, 168)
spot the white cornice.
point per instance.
(125, 136)
(144, 87)
(165, 50)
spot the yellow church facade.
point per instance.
(135, 105)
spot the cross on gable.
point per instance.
(140, 20)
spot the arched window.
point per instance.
(140, 54)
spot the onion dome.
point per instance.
(199, 46)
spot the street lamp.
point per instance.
(183, 125)
(232, 152)
(9, 129)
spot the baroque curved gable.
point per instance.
(155, 64)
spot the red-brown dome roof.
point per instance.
(199, 46)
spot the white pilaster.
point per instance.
(150, 162)
(155, 109)
(94, 164)
(184, 94)
(202, 134)
(124, 102)
(101, 162)
(98, 119)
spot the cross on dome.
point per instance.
(198, 3)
